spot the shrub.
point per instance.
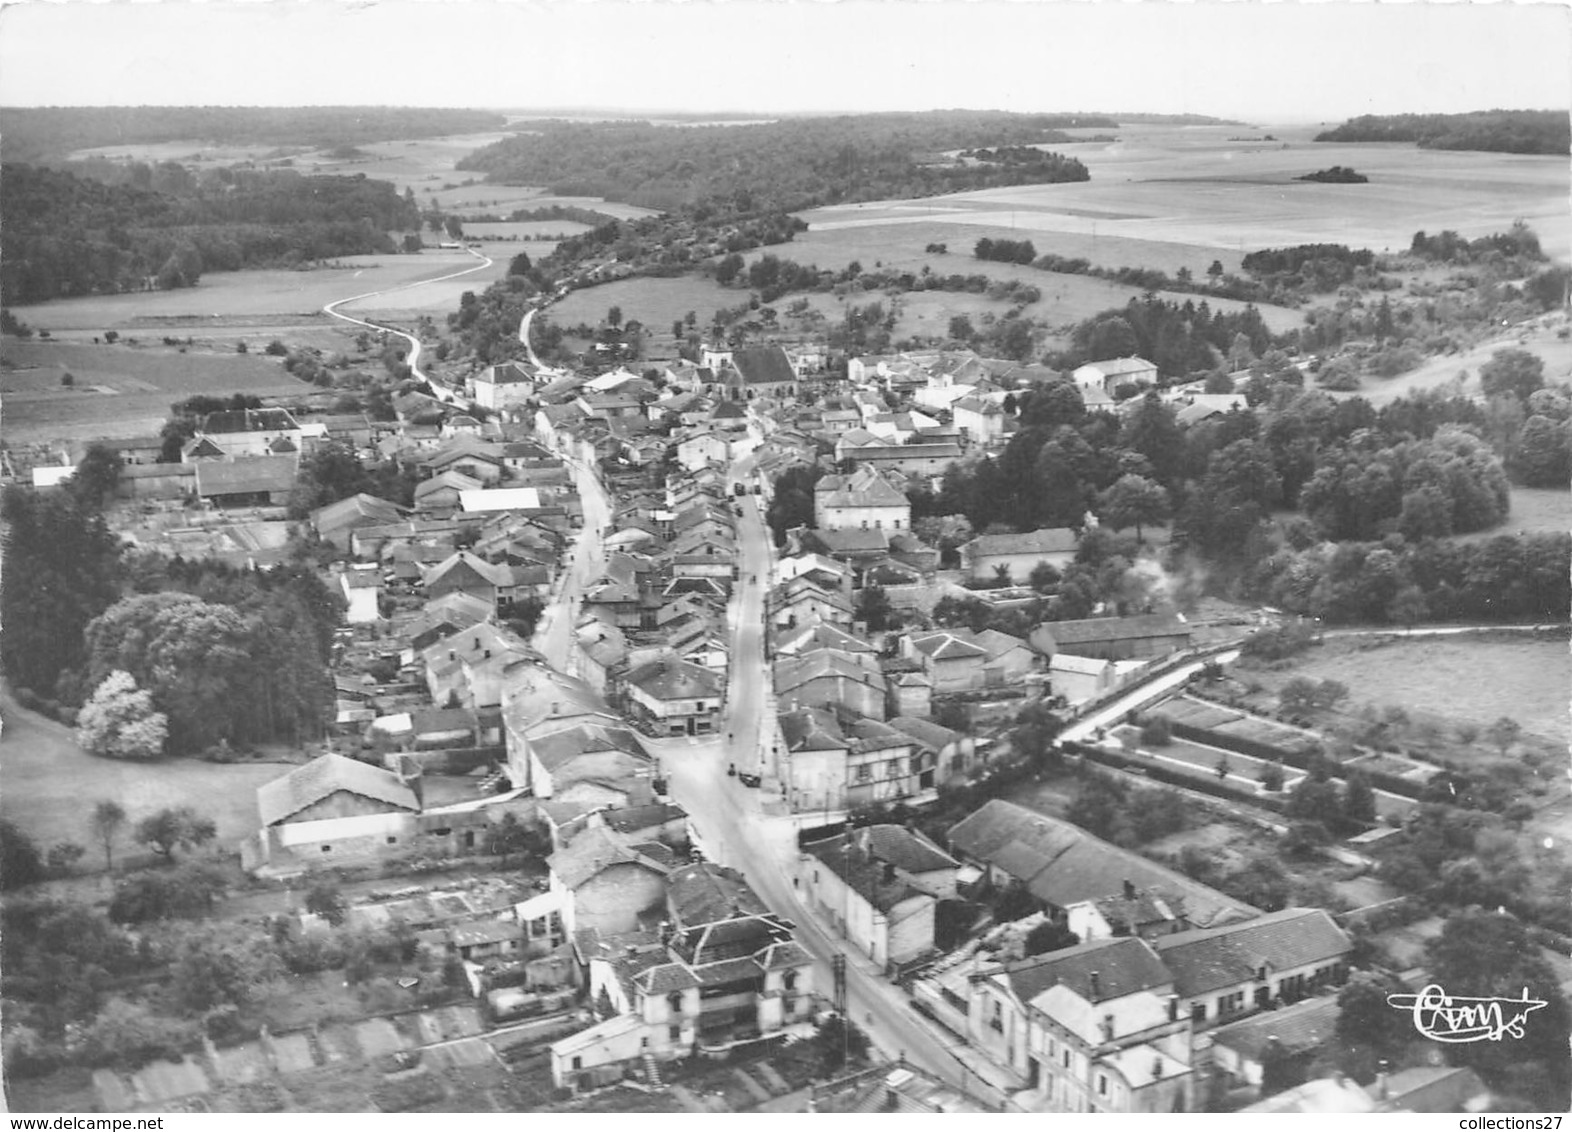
(1157, 731)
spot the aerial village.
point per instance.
(720, 757)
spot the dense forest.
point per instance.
(1493, 131)
(787, 165)
(37, 133)
(163, 226)
(78, 608)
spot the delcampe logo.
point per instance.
(1453, 1018)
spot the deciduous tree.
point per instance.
(120, 721)
(174, 827)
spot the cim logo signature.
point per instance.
(1447, 1018)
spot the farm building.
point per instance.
(248, 481)
(331, 809)
(1019, 554)
(336, 522)
(1113, 638)
(237, 433)
(1106, 376)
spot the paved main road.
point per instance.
(554, 631)
(732, 828)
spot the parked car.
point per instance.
(749, 779)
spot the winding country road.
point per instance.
(413, 360)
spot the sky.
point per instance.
(1258, 62)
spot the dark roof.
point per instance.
(357, 510)
(1212, 958)
(327, 775)
(726, 971)
(907, 849)
(1063, 864)
(1302, 1027)
(704, 893)
(668, 679)
(248, 420)
(1123, 966)
(1116, 628)
(763, 365)
(863, 874)
(634, 818)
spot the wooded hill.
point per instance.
(1494, 131)
(34, 133)
(786, 165)
(63, 235)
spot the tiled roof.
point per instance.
(866, 876)
(1067, 633)
(1301, 1027)
(1123, 967)
(631, 819)
(925, 731)
(704, 893)
(347, 512)
(812, 729)
(591, 853)
(666, 978)
(818, 635)
(1048, 540)
(246, 475)
(947, 646)
(668, 679)
(560, 748)
(1063, 864)
(763, 365)
(248, 420)
(1210, 959)
(787, 953)
(324, 776)
(905, 849)
(1114, 367)
(726, 971)
(794, 672)
(862, 488)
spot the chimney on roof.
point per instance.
(1129, 891)
(631, 951)
(889, 873)
(1383, 1081)
(1108, 1027)
(1173, 1008)
(1097, 987)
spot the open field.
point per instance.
(1193, 187)
(49, 785)
(1540, 337)
(1533, 509)
(120, 390)
(1066, 298)
(1478, 678)
(654, 302)
(246, 294)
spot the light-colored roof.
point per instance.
(675, 680)
(327, 775)
(246, 475)
(500, 499)
(1068, 633)
(1114, 367)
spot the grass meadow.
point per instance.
(120, 390)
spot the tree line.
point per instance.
(1492, 131)
(37, 133)
(786, 166)
(190, 656)
(162, 227)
